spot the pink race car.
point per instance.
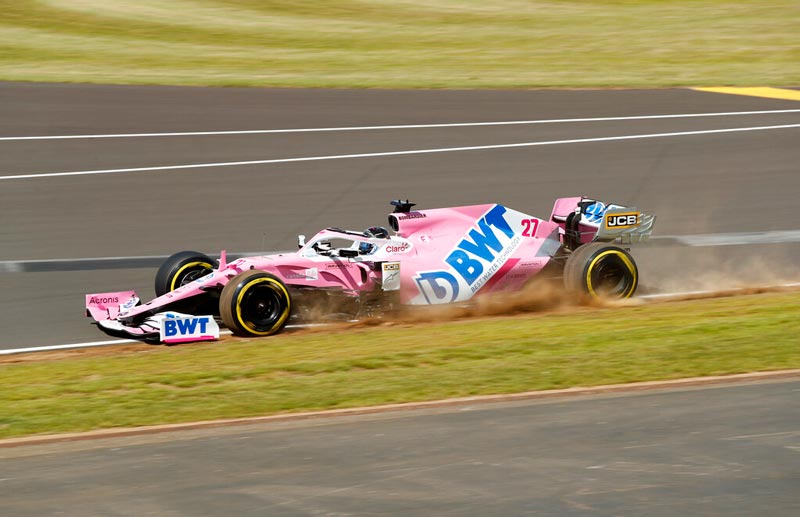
(445, 255)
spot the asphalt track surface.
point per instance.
(693, 451)
(698, 182)
(721, 450)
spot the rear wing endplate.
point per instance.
(626, 225)
(585, 220)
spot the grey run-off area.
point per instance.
(722, 450)
(733, 190)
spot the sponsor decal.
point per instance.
(397, 248)
(108, 305)
(204, 278)
(475, 259)
(391, 276)
(411, 215)
(338, 265)
(104, 299)
(594, 212)
(306, 274)
(130, 304)
(530, 227)
(622, 220)
(188, 328)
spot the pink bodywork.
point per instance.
(445, 255)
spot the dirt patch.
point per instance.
(541, 297)
(727, 293)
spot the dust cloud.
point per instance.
(724, 268)
(539, 296)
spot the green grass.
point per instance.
(387, 364)
(403, 43)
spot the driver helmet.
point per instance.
(375, 232)
(379, 232)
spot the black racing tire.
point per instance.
(255, 303)
(601, 270)
(180, 269)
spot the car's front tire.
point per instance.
(180, 269)
(255, 303)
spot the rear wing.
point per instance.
(586, 220)
(625, 225)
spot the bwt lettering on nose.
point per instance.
(187, 326)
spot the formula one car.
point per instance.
(445, 255)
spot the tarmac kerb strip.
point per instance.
(461, 401)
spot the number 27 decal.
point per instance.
(530, 226)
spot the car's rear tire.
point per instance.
(180, 269)
(255, 303)
(601, 270)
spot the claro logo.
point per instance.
(401, 248)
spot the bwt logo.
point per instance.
(182, 327)
(188, 328)
(474, 254)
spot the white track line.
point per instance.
(111, 342)
(405, 126)
(399, 153)
(66, 347)
(225, 332)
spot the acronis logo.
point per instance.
(475, 259)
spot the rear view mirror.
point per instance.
(301, 241)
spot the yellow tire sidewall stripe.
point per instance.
(183, 268)
(273, 283)
(631, 268)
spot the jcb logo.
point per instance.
(622, 220)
